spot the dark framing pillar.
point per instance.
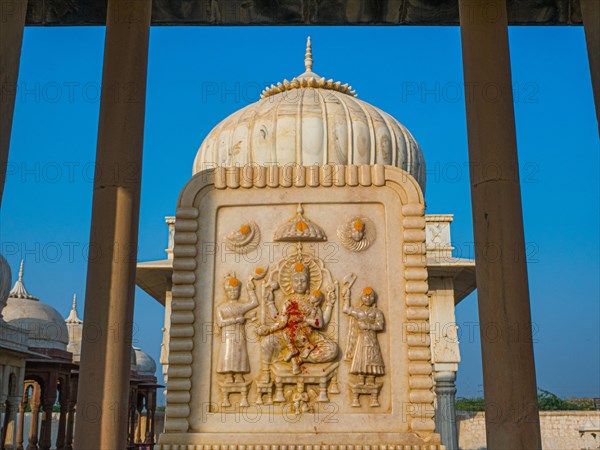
(103, 395)
(590, 11)
(11, 39)
(512, 417)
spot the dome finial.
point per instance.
(73, 316)
(308, 62)
(19, 290)
(308, 79)
(21, 270)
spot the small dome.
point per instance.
(46, 326)
(311, 121)
(145, 364)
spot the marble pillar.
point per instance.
(445, 355)
(512, 417)
(104, 382)
(445, 412)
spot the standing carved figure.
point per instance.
(363, 348)
(231, 319)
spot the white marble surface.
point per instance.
(393, 266)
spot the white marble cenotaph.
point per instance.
(299, 313)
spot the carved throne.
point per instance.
(323, 374)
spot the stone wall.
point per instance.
(561, 430)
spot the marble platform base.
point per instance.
(297, 441)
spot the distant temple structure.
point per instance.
(301, 272)
(39, 366)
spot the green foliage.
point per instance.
(469, 404)
(551, 402)
(547, 402)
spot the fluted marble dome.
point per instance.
(310, 120)
(45, 324)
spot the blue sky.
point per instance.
(197, 76)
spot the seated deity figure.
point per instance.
(301, 319)
(231, 319)
(297, 331)
(363, 348)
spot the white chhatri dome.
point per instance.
(310, 120)
(46, 326)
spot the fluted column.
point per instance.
(104, 381)
(512, 417)
(445, 412)
(11, 39)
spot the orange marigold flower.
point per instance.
(244, 229)
(299, 267)
(368, 291)
(233, 282)
(359, 225)
(317, 293)
(259, 270)
(301, 226)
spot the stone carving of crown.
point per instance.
(299, 228)
(308, 79)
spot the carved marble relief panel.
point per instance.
(300, 306)
(300, 319)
